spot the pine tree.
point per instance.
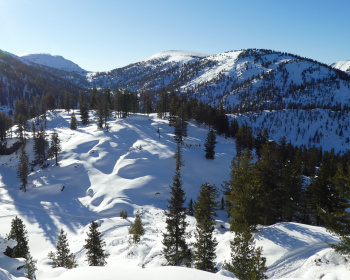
(209, 145)
(136, 229)
(96, 255)
(241, 193)
(175, 248)
(67, 101)
(73, 122)
(63, 257)
(40, 145)
(247, 262)
(19, 233)
(23, 168)
(190, 210)
(336, 218)
(205, 243)
(30, 267)
(55, 146)
(84, 109)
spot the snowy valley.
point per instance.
(130, 168)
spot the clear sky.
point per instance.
(101, 35)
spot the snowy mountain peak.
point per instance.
(53, 61)
(177, 56)
(342, 65)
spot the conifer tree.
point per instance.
(63, 257)
(67, 101)
(190, 209)
(19, 233)
(209, 145)
(23, 168)
(242, 193)
(136, 229)
(247, 262)
(84, 109)
(205, 243)
(55, 146)
(40, 145)
(175, 248)
(336, 218)
(73, 122)
(30, 267)
(96, 255)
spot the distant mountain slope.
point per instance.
(54, 61)
(19, 79)
(342, 65)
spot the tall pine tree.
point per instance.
(23, 168)
(136, 229)
(96, 255)
(55, 146)
(209, 145)
(175, 248)
(205, 244)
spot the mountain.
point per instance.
(342, 65)
(261, 88)
(130, 168)
(54, 61)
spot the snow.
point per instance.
(342, 65)
(130, 168)
(54, 61)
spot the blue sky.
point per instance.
(106, 34)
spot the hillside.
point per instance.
(274, 88)
(130, 168)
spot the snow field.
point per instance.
(130, 168)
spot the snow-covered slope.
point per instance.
(54, 61)
(342, 65)
(130, 168)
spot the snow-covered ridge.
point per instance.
(342, 65)
(54, 61)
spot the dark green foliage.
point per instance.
(55, 146)
(136, 229)
(22, 126)
(190, 209)
(247, 262)
(30, 267)
(67, 101)
(209, 145)
(5, 124)
(336, 217)
(162, 106)
(205, 243)
(175, 248)
(123, 214)
(19, 233)
(96, 255)
(63, 257)
(84, 109)
(147, 104)
(242, 193)
(23, 168)
(73, 122)
(321, 192)
(244, 139)
(180, 123)
(40, 145)
(94, 99)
